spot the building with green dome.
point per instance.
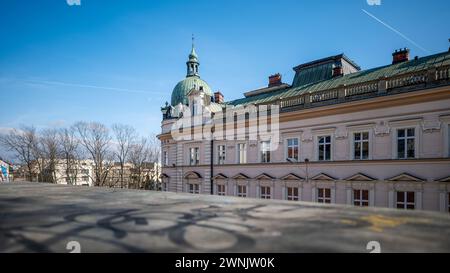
(192, 81)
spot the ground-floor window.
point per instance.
(405, 200)
(221, 190)
(292, 194)
(361, 198)
(194, 188)
(324, 196)
(265, 193)
(241, 191)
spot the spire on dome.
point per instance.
(192, 63)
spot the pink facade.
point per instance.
(381, 174)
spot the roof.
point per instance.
(415, 65)
(179, 93)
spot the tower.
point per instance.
(192, 63)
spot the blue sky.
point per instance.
(118, 61)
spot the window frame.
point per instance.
(241, 194)
(221, 154)
(195, 188)
(221, 193)
(324, 198)
(362, 141)
(292, 197)
(265, 154)
(358, 202)
(405, 202)
(406, 138)
(194, 161)
(330, 143)
(238, 153)
(267, 194)
(287, 147)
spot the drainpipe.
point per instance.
(212, 167)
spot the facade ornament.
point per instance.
(381, 129)
(429, 126)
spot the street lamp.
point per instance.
(306, 166)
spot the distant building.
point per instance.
(377, 137)
(5, 171)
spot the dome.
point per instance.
(179, 93)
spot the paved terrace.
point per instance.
(44, 218)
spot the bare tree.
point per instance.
(96, 140)
(139, 155)
(69, 145)
(22, 142)
(48, 141)
(125, 135)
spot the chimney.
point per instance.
(275, 80)
(338, 71)
(400, 56)
(218, 97)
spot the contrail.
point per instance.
(94, 87)
(396, 31)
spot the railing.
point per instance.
(323, 96)
(407, 80)
(361, 89)
(292, 102)
(431, 76)
(443, 73)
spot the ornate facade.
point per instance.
(377, 137)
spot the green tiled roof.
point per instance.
(437, 60)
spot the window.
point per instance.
(165, 158)
(265, 193)
(324, 196)
(405, 200)
(361, 145)
(324, 148)
(221, 190)
(361, 198)
(292, 194)
(194, 107)
(241, 191)
(448, 140)
(265, 151)
(448, 201)
(194, 188)
(406, 143)
(221, 152)
(194, 156)
(292, 148)
(242, 153)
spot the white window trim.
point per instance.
(316, 146)
(270, 195)
(216, 192)
(286, 148)
(352, 143)
(287, 193)
(417, 140)
(260, 152)
(360, 200)
(246, 191)
(405, 204)
(218, 153)
(324, 198)
(237, 153)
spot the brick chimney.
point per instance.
(338, 71)
(218, 97)
(400, 56)
(275, 80)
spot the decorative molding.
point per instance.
(264, 176)
(430, 126)
(307, 136)
(341, 133)
(405, 177)
(323, 177)
(382, 129)
(360, 177)
(291, 176)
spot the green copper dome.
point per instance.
(179, 93)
